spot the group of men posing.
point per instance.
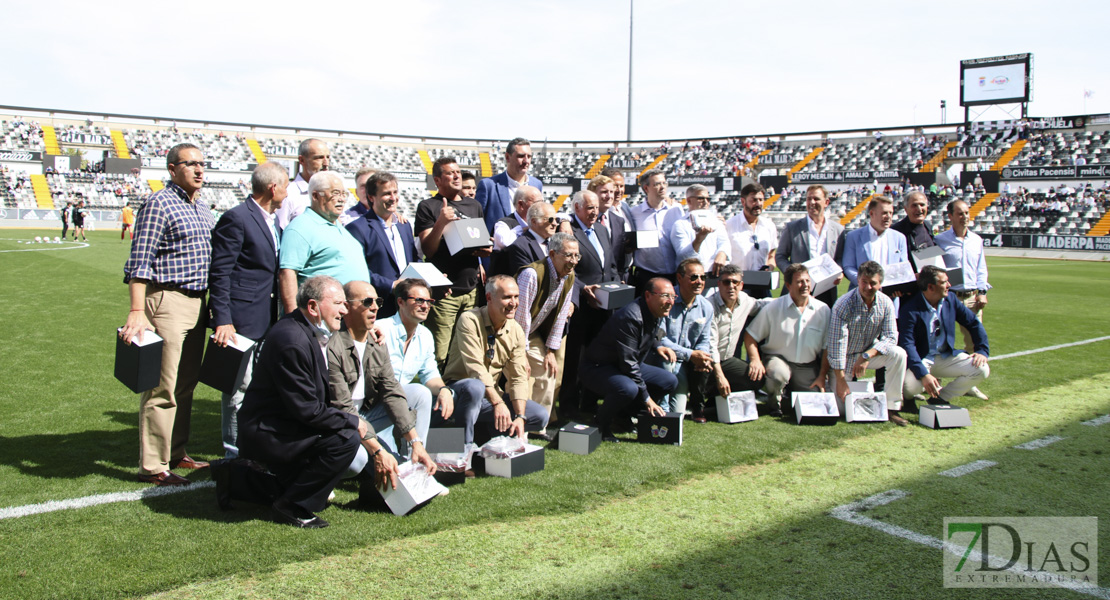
(363, 363)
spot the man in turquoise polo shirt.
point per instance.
(316, 244)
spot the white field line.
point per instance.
(848, 513)
(970, 467)
(13, 512)
(1104, 419)
(51, 246)
(1038, 444)
(1047, 348)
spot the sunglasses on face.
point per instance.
(421, 301)
(368, 302)
(701, 277)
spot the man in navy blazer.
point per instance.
(927, 332)
(389, 245)
(287, 421)
(875, 241)
(794, 242)
(531, 245)
(242, 280)
(495, 194)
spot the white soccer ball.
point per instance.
(57, 239)
(38, 239)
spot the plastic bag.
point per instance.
(455, 462)
(503, 447)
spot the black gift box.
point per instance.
(139, 365)
(659, 430)
(445, 440)
(530, 461)
(579, 439)
(612, 295)
(222, 365)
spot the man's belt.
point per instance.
(180, 290)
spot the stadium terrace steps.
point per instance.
(1102, 227)
(426, 160)
(598, 166)
(805, 161)
(560, 200)
(256, 150)
(978, 208)
(1008, 155)
(654, 163)
(120, 144)
(773, 199)
(50, 140)
(938, 158)
(483, 159)
(155, 185)
(852, 214)
(42, 191)
(755, 161)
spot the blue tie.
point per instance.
(592, 236)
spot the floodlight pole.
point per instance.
(630, 70)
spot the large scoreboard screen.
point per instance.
(996, 80)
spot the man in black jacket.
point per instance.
(286, 420)
(613, 366)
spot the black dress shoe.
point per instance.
(540, 435)
(607, 435)
(221, 474)
(291, 514)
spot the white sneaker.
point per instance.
(975, 393)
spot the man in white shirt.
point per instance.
(700, 234)
(967, 247)
(314, 157)
(792, 332)
(753, 237)
(507, 229)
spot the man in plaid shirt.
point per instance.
(167, 278)
(863, 334)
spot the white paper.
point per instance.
(898, 273)
(426, 271)
(148, 338)
(823, 270)
(240, 343)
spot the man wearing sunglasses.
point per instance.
(688, 342)
(531, 245)
(927, 332)
(487, 344)
(361, 378)
(167, 279)
(731, 308)
(316, 244)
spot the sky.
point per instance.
(497, 69)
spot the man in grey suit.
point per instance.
(800, 238)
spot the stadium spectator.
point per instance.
(318, 244)
(967, 247)
(387, 244)
(531, 245)
(464, 268)
(785, 341)
(614, 365)
(876, 241)
(242, 281)
(507, 229)
(654, 215)
(752, 234)
(912, 226)
(167, 278)
(488, 344)
(412, 351)
(927, 332)
(731, 309)
(495, 194)
(313, 157)
(469, 184)
(287, 420)
(687, 333)
(363, 384)
(363, 205)
(704, 239)
(810, 237)
(863, 334)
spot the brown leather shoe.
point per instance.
(164, 478)
(187, 462)
(897, 420)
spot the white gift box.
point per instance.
(943, 416)
(865, 407)
(738, 407)
(466, 234)
(815, 408)
(414, 487)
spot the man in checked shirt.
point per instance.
(167, 278)
(863, 334)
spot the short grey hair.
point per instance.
(535, 212)
(322, 180)
(580, 197)
(523, 192)
(306, 146)
(909, 198)
(491, 284)
(558, 241)
(694, 189)
(509, 149)
(314, 288)
(265, 175)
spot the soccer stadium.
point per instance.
(1003, 499)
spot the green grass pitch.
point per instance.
(737, 511)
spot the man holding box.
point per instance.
(810, 237)
(863, 334)
(242, 283)
(731, 307)
(167, 279)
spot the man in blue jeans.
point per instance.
(613, 366)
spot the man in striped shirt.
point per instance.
(167, 278)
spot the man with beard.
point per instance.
(753, 236)
(388, 245)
